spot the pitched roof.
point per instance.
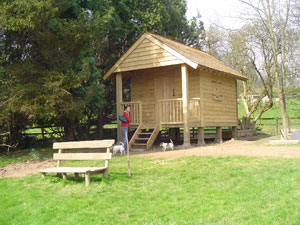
(191, 56)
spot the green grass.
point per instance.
(24, 155)
(192, 190)
(110, 126)
(293, 109)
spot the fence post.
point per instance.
(276, 128)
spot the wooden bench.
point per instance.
(86, 147)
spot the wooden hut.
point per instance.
(173, 86)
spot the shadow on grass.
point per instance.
(113, 177)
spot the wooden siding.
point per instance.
(142, 89)
(148, 86)
(147, 55)
(219, 112)
(194, 83)
(151, 85)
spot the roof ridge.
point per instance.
(158, 37)
(186, 46)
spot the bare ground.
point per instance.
(255, 147)
(25, 168)
(250, 147)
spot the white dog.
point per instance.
(119, 148)
(166, 146)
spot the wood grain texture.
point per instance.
(72, 169)
(81, 156)
(83, 144)
(224, 110)
(119, 99)
(185, 103)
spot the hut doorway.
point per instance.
(164, 88)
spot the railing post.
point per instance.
(118, 102)
(140, 109)
(277, 127)
(185, 103)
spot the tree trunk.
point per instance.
(283, 112)
(278, 77)
(15, 128)
(99, 129)
(246, 123)
(69, 129)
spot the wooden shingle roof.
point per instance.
(185, 54)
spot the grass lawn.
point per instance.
(191, 190)
(292, 105)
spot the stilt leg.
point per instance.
(219, 135)
(201, 136)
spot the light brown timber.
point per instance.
(119, 97)
(185, 102)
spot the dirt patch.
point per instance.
(249, 147)
(25, 168)
(254, 146)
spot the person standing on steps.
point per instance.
(124, 126)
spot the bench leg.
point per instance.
(105, 173)
(76, 175)
(43, 175)
(87, 179)
(64, 175)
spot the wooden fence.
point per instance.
(273, 125)
(266, 125)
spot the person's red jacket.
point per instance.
(126, 115)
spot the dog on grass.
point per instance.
(118, 148)
(166, 146)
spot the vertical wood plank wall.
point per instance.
(146, 87)
(220, 112)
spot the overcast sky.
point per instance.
(222, 12)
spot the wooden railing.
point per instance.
(194, 110)
(171, 110)
(135, 111)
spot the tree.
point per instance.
(275, 18)
(54, 52)
(46, 48)
(254, 60)
(246, 51)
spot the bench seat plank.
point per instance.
(73, 169)
(81, 156)
(83, 144)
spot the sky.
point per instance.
(225, 13)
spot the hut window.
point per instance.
(217, 89)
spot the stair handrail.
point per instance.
(152, 137)
(135, 134)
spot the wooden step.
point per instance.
(140, 144)
(137, 150)
(142, 139)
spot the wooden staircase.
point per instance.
(143, 138)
